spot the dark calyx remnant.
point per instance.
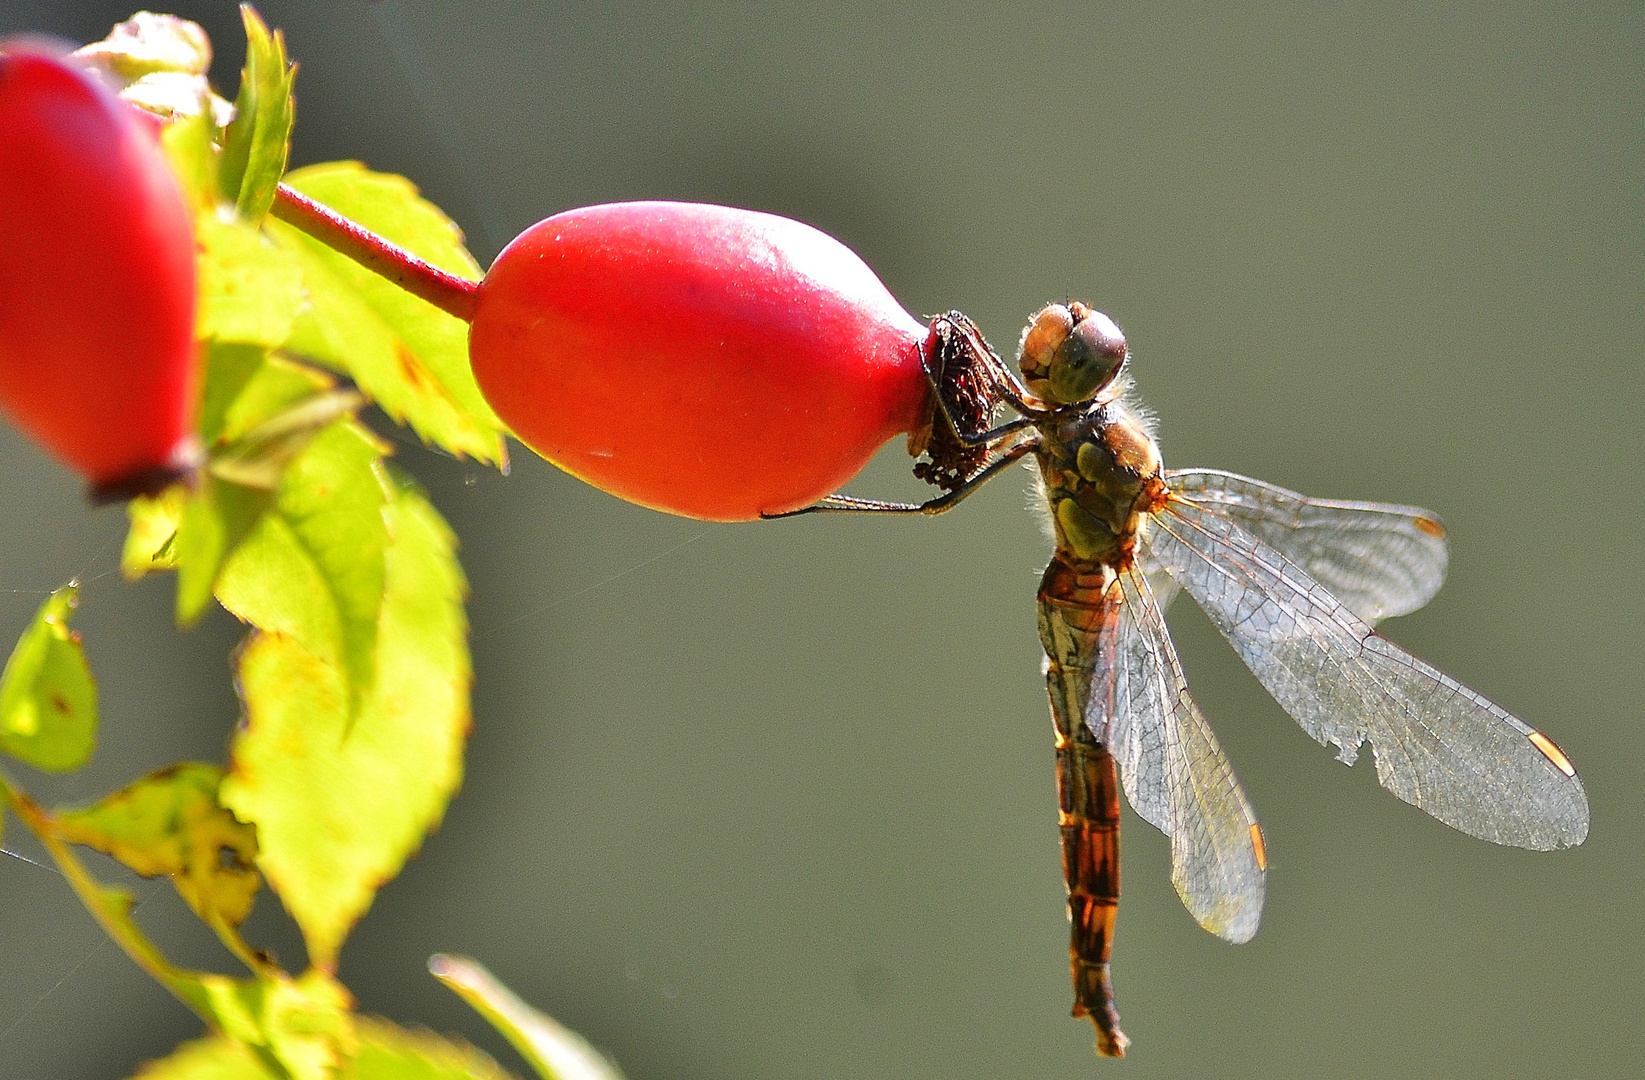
(962, 368)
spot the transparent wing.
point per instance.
(1174, 773)
(1438, 745)
(1379, 559)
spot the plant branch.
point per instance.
(109, 906)
(448, 292)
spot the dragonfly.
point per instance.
(1296, 585)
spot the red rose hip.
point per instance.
(97, 354)
(707, 361)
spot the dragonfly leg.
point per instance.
(851, 504)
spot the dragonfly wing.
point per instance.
(1174, 773)
(1163, 585)
(1438, 745)
(1379, 559)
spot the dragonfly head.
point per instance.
(1070, 353)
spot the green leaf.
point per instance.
(259, 411)
(261, 421)
(268, 387)
(250, 289)
(298, 1029)
(276, 1027)
(215, 520)
(555, 1051)
(340, 804)
(212, 1058)
(149, 541)
(314, 568)
(229, 367)
(169, 823)
(48, 700)
(188, 146)
(259, 458)
(257, 143)
(408, 355)
(390, 1052)
(302, 1025)
(385, 1051)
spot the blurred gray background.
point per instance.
(776, 800)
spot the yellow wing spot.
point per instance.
(1259, 846)
(1431, 527)
(1552, 752)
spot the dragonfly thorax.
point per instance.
(1101, 472)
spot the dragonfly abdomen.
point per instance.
(1088, 789)
(1071, 624)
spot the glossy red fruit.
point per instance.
(706, 361)
(97, 355)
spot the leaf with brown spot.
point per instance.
(341, 798)
(170, 823)
(408, 355)
(48, 700)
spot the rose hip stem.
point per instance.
(448, 292)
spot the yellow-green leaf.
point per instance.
(340, 804)
(314, 567)
(170, 823)
(385, 1051)
(302, 1025)
(188, 145)
(257, 143)
(215, 520)
(408, 355)
(48, 700)
(215, 1057)
(250, 289)
(149, 542)
(554, 1050)
(390, 1052)
(269, 386)
(258, 413)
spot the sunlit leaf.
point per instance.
(48, 700)
(250, 289)
(340, 805)
(211, 1058)
(385, 1051)
(188, 146)
(169, 823)
(149, 540)
(260, 412)
(217, 517)
(390, 1052)
(257, 143)
(302, 1024)
(270, 386)
(258, 458)
(229, 367)
(554, 1050)
(298, 1028)
(275, 1027)
(408, 355)
(314, 568)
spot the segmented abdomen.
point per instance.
(1071, 617)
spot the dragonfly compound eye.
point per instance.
(1070, 353)
(1044, 335)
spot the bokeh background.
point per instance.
(776, 800)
